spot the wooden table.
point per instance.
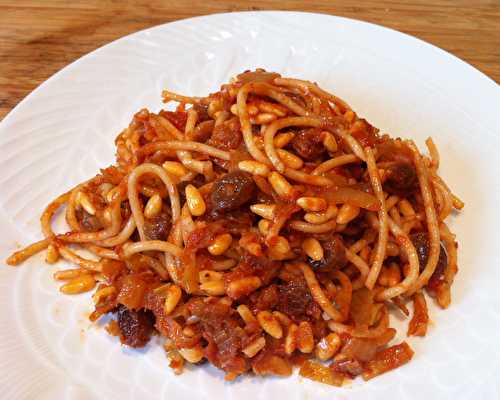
(37, 38)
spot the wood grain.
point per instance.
(37, 38)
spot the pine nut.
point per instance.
(254, 167)
(246, 315)
(243, 286)
(213, 288)
(270, 324)
(328, 346)
(254, 249)
(313, 249)
(289, 159)
(253, 348)
(175, 168)
(347, 213)
(312, 204)
(234, 109)
(195, 201)
(263, 210)
(280, 184)
(208, 275)
(329, 142)
(282, 139)
(280, 245)
(52, 254)
(282, 318)
(220, 244)
(80, 284)
(264, 225)
(291, 339)
(321, 217)
(305, 338)
(83, 200)
(192, 355)
(173, 295)
(153, 206)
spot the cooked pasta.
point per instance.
(261, 227)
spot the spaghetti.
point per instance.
(259, 228)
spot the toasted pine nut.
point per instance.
(175, 168)
(282, 318)
(254, 167)
(214, 106)
(291, 339)
(264, 118)
(313, 249)
(253, 348)
(234, 109)
(406, 208)
(52, 254)
(195, 201)
(193, 354)
(173, 295)
(280, 245)
(245, 314)
(207, 275)
(264, 225)
(270, 324)
(83, 200)
(280, 184)
(347, 213)
(282, 139)
(328, 346)
(68, 274)
(103, 293)
(321, 217)
(220, 244)
(188, 331)
(254, 249)
(213, 288)
(329, 142)
(153, 206)
(243, 286)
(305, 338)
(264, 210)
(80, 284)
(290, 159)
(389, 276)
(312, 204)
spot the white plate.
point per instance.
(63, 132)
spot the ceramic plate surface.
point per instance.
(63, 133)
